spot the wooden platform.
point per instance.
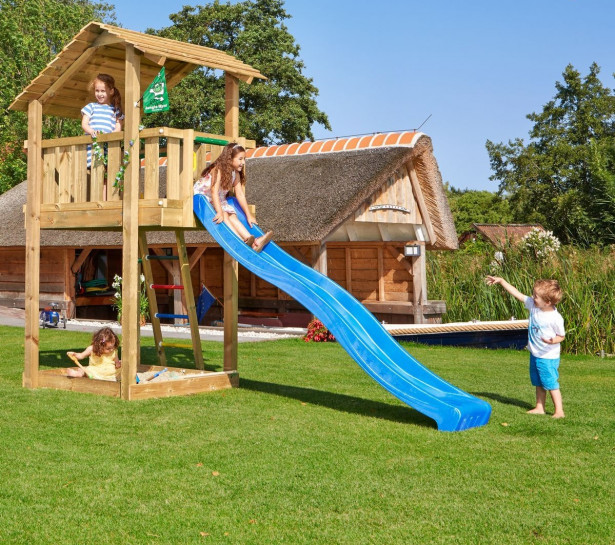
(153, 214)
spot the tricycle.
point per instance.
(52, 317)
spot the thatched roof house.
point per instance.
(499, 235)
(367, 195)
(303, 195)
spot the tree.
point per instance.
(32, 33)
(281, 109)
(469, 206)
(551, 180)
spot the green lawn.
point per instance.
(308, 451)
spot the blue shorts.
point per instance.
(544, 372)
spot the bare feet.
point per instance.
(250, 240)
(262, 241)
(558, 415)
(536, 410)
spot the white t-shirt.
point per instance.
(544, 325)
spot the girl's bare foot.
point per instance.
(536, 410)
(250, 240)
(262, 241)
(558, 415)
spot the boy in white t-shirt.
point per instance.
(545, 333)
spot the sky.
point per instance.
(463, 71)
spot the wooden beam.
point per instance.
(146, 267)
(381, 290)
(157, 59)
(184, 265)
(419, 286)
(85, 252)
(176, 76)
(231, 102)
(130, 228)
(418, 194)
(196, 255)
(68, 74)
(319, 258)
(33, 243)
(348, 263)
(231, 305)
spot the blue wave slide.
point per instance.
(355, 328)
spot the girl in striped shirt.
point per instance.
(104, 115)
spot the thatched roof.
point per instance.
(302, 197)
(63, 85)
(500, 234)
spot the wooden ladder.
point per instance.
(186, 287)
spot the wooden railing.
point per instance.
(75, 196)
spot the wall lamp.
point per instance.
(412, 250)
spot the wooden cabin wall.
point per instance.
(55, 277)
(375, 273)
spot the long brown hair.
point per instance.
(101, 338)
(114, 92)
(223, 164)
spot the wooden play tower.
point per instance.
(63, 194)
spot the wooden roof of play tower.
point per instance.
(63, 86)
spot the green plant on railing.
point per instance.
(97, 151)
(100, 155)
(143, 300)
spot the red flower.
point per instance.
(317, 332)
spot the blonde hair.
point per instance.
(549, 290)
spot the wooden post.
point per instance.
(151, 296)
(230, 267)
(231, 101)
(319, 258)
(419, 285)
(184, 265)
(130, 226)
(231, 305)
(33, 243)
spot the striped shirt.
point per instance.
(103, 118)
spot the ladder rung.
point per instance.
(183, 316)
(166, 287)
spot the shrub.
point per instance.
(541, 244)
(143, 300)
(587, 277)
(318, 333)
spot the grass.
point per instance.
(308, 450)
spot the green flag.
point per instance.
(156, 98)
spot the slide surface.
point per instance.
(355, 329)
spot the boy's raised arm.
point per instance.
(508, 287)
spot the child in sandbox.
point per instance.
(104, 362)
(224, 174)
(545, 333)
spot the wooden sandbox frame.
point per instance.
(63, 195)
